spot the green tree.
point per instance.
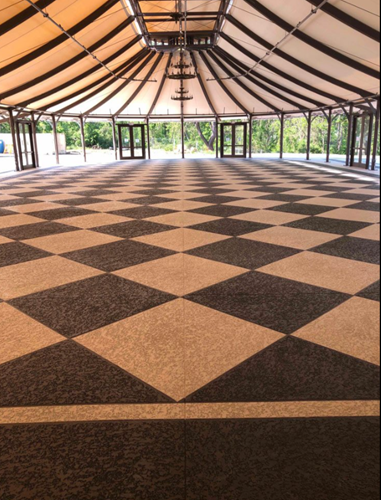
(5, 128)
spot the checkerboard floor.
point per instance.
(189, 330)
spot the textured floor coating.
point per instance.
(197, 330)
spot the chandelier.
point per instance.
(182, 95)
(181, 70)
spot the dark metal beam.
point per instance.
(338, 56)
(123, 85)
(162, 83)
(347, 19)
(69, 63)
(142, 85)
(243, 86)
(23, 16)
(222, 85)
(293, 60)
(58, 40)
(257, 82)
(281, 73)
(203, 86)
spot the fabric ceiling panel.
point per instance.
(70, 50)
(250, 66)
(37, 31)
(366, 11)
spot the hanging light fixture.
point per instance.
(182, 94)
(182, 70)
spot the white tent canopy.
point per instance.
(109, 57)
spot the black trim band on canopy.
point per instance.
(347, 19)
(203, 86)
(242, 85)
(70, 62)
(23, 16)
(142, 85)
(124, 85)
(58, 40)
(283, 74)
(222, 85)
(80, 77)
(233, 64)
(127, 66)
(293, 60)
(161, 87)
(311, 41)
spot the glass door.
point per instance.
(26, 145)
(132, 142)
(234, 140)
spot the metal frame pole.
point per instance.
(281, 155)
(309, 134)
(56, 142)
(251, 137)
(14, 140)
(376, 135)
(349, 140)
(329, 135)
(148, 140)
(34, 135)
(114, 138)
(83, 139)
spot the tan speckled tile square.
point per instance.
(182, 219)
(182, 205)
(328, 202)
(35, 207)
(94, 220)
(270, 217)
(180, 274)
(326, 271)
(368, 233)
(72, 241)
(18, 220)
(181, 240)
(120, 196)
(370, 192)
(247, 194)
(179, 347)
(289, 237)
(109, 206)
(55, 197)
(21, 335)
(32, 277)
(255, 204)
(4, 240)
(8, 197)
(184, 195)
(308, 192)
(352, 328)
(292, 185)
(353, 215)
